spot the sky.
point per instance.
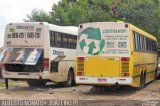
(16, 10)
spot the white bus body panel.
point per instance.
(36, 35)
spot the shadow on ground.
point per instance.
(111, 90)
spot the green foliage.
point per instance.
(60, 13)
(141, 13)
(74, 12)
(78, 13)
(144, 14)
(38, 16)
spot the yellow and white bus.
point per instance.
(39, 52)
(111, 53)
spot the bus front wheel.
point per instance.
(36, 83)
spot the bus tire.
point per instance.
(36, 83)
(142, 80)
(70, 79)
(157, 75)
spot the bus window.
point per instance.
(64, 40)
(139, 42)
(74, 42)
(70, 41)
(58, 39)
(135, 41)
(144, 43)
(54, 66)
(52, 39)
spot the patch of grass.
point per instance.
(10, 83)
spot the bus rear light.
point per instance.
(125, 59)
(81, 26)
(80, 73)
(81, 68)
(126, 25)
(2, 66)
(46, 64)
(80, 58)
(125, 74)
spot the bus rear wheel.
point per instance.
(36, 83)
(157, 75)
(142, 80)
(70, 79)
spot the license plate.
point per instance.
(23, 73)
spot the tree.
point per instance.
(74, 12)
(157, 13)
(59, 12)
(144, 14)
(38, 16)
(141, 13)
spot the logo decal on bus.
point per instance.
(28, 28)
(122, 44)
(90, 41)
(60, 53)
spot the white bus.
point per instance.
(39, 52)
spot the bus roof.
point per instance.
(64, 29)
(138, 30)
(131, 26)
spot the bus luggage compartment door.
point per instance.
(102, 66)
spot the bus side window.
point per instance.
(147, 48)
(64, 41)
(70, 41)
(150, 45)
(139, 42)
(54, 66)
(52, 39)
(155, 45)
(145, 44)
(74, 42)
(142, 43)
(58, 39)
(135, 41)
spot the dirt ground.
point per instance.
(19, 90)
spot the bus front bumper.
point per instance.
(104, 80)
